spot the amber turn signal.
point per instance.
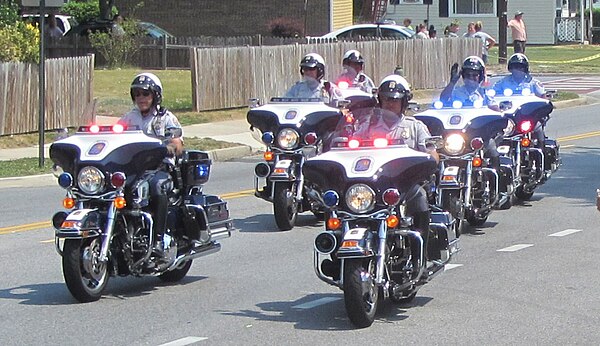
(68, 203)
(392, 221)
(120, 202)
(333, 223)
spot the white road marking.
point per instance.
(184, 341)
(452, 266)
(515, 248)
(564, 233)
(314, 303)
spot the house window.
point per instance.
(400, 2)
(473, 7)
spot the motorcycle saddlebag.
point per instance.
(195, 167)
(550, 152)
(214, 207)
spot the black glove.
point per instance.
(454, 75)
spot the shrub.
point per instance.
(9, 13)
(118, 49)
(286, 27)
(19, 43)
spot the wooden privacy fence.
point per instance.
(172, 52)
(68, 98)
(228, 77)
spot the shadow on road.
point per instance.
(327, 316)
(117, 288)
(266, 223)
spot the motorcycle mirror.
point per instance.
(435, 141)
(342, 103)
(551, 93)
(253, 102)
(505, 105)
(414, 106)
(173, 132)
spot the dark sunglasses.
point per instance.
(144, 93)
(309, 68)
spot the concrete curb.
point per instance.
(581, 101)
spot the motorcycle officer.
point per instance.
(473, 74)
(519, 78)
(471, 91)
(393, 95)
(154, 120)
(353, 74)
(312, 85)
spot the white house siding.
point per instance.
(539, 18)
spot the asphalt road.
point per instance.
(528, 276)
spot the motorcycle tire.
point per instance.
(285, 207)
(476, 221)
(522, 195)
(177, 273)
(451, 202)
(360, 292)
(85, 276)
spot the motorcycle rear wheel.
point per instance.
(285, 207)
(177, 273)
(360, 292)
(85, 275)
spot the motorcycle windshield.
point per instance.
(359, 154)
(304, 117)
(130, 152)
(471, 122)
(531, 107)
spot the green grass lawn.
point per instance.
(556, 59)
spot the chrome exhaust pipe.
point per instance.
(195, 253)
(219, 233)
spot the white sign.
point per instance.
(49, 3)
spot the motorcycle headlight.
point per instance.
(90, 180)
(510, 128)
(360, 198)
(454, 144)
(287, 139)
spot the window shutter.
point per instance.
(444, 9)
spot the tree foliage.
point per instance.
(87, 10)
(19, 42)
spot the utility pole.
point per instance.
(502, 26)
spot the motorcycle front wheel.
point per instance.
(452, 201)
(85, 275)
(285, 206)
(522, 194)
(360, 292)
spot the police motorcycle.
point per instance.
(370, 247)
(467, 186)
(534, 157)
(107, 228)
(293, 130)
